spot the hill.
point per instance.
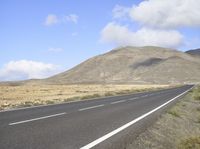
(195, 52)
(134, 65)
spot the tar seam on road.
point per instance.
(35, 119)
(118, 102)
(83, 109)
(103, 138)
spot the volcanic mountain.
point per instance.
(134, 65)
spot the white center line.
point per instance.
(118, 102)
(83, 109)
(103, 138)
(133, 98)
(145, 96)
(35, 119)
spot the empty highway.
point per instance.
(101, 123)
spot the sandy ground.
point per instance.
(12, 96)
(179, 128)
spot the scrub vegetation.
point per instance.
(19, 95)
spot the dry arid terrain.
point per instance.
(179, 128)
(12, 96)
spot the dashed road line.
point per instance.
(35, 119)
(118, 102)
(87, 108)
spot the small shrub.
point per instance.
(5, 105)
(198, 120)
(174, 112)
(49, 102)
(37, 103)
(196, 94)
(197, 97)
(190, 143)
(108, 94)
(183, 105)
(198, 109)
(71, 99)
(123, 92)
(91, 96)
(27, 103)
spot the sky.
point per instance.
(40, 38)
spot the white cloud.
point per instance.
(55, 49)
(24, 69)
(121, 35)
(51, 19)
(120, 12)
(71, 18)
(167, 13)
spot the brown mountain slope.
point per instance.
(143, 65)
(195, 52)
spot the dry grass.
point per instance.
(179, 128)
(190, 143)
(196, 93)
(29, 95)
(174, 112)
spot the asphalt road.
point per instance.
(86, 124)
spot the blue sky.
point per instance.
(43, 37)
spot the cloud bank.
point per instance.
(167, 13)
(121, 35)
(159, 22)
(25, 69)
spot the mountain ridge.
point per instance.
(134, 65)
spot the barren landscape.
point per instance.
(104, 74)
(12, 96)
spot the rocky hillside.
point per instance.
(137, 65)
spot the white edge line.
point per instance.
(118, 102)
(35, 119)
(103, 138)
(83, 109)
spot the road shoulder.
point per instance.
(178, 128)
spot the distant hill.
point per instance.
(134, 65)
(195, 52)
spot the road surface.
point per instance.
(102, 123)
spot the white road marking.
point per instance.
(83, 109)
(133, 98)
(103, 138)
(35, 119)
(118, 102)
